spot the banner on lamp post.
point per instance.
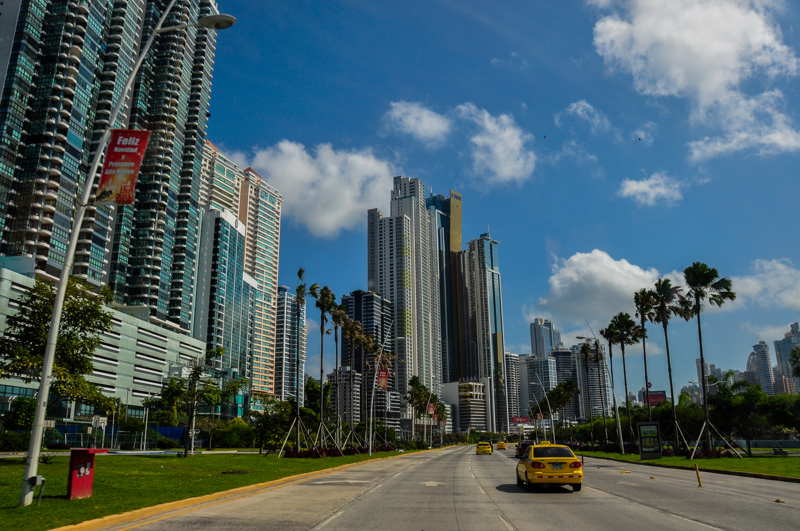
(121, 166)
(383, 379)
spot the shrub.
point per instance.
(13, 441)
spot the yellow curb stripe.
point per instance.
(187, 504)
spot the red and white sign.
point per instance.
(431, 409)
(520, 420)
(383, 379)
(121, 167)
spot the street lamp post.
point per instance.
(217, 22)
(544, 391)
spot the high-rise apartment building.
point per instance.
(402, 266)
(594, 383)
(221, 180)
(259, 208)
(65, 64)
(759, 364)
(484, 313)
(783, 350)
(567, 371)
(376, 315)
(513, 384)
(468, 401)
(542, 377)
(290, 346)
(225, 293)
(347, 393)
(544, 337)
(446, 219)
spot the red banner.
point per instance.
(121, 167)
(383, 379)
(520, 420)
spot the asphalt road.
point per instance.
(456, 489)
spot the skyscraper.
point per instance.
(446, 219)
(65, 64)
(260, 209)
(402, 266)
(544, 337)
(759, 364)
(567, 371)
(512, 384)
(347, 388)
(783, 350)
(225, 293)
(594, 384)
(376, 315)
(289, 326)
(220, 182)
(484, 313)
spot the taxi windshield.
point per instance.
(552, 451)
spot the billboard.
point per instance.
(383, 379)
(121, 166)
(649, 440)
(520, 420)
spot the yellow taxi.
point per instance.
(501, 445)
(550, 464)
(483, 448)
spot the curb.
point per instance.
(142, 513)
(714, 471)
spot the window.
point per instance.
(552, 451)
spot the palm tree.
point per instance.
(325, 303)
(300, 301)
(627, 333)
(669, 301)
(339, 318)
(705, 284)
(610, 335)
(644, 301)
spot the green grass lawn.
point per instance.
(772, 465)
(123, 483)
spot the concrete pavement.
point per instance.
(456, 489)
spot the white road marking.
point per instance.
(679, 517)
(337, 481)
(432, 483)
(327, 520)
(505, 522)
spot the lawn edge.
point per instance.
(756, 475)
(141, 513)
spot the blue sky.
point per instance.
(603, 142)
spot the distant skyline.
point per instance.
(601, 148)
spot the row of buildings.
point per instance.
(773, 379)
(193, 262)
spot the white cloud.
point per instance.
(325, 190)
(598, 122)
(499, 151)
(645, 134)
(657, 189)
(415, 119)
(773, 283)
(705, 50)
(593, 287)
(514, 60)
(768, 333)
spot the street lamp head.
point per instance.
(219, 21)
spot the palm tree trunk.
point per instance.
(321, 371)
(671, 390)
(646, 377)
(336, 379)
(297, 375)
(627, 400)
(614, 396)
(703, 377)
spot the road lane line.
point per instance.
(328, 520)
(506, 523)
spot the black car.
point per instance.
(522, 447)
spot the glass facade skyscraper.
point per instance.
(64, 64)
(545, 337)
(290, 328)
(225, 293)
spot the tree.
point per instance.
(705, 284)
(326, 301)
(610, 334)
(300, 302)
(668, 301)
(20, 414)
(271, 423)
(339, 318)
(644, 301)
(83, 321)
(627, 333)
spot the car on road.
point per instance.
(522, 448)
(550, 464)
(501, 445)
(483, 448)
